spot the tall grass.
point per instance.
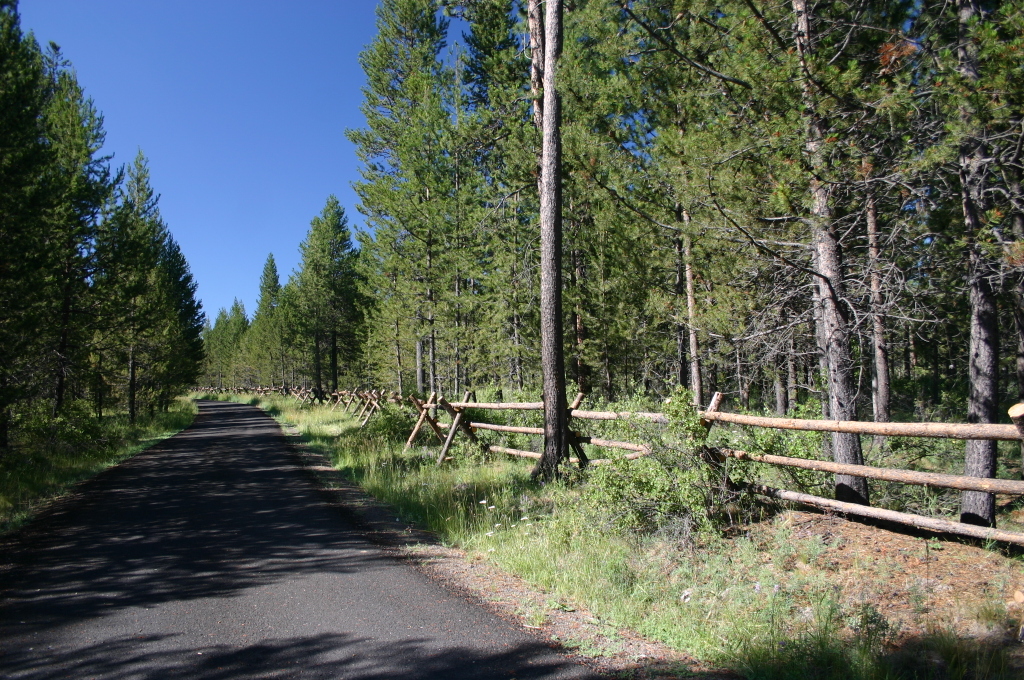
(49, 454)
(761, 603)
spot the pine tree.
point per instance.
(265, 348)
(23, 201)
(328, 305)
(82, 184)
(128, 253)
(407, 177)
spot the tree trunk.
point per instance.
(5, 429)
(535, 21)
(556, 447)
(582, 370)
(317, 366)
(781, 395)
(420, 377)
(880, 384)
(983, 363)
(334, 361)
(819, 380)
(841, 393)
(680, 292)
(833, 333)
(742, 386)
(1018, 324)
(63, 346)
(432, 357)
(791, 379)
(696, 383)
(398, 358)
(983, 366)
(98, 386)
(131, 384)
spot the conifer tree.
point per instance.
(327, 300)
(23, 201)
(406, 174)
(82, 185)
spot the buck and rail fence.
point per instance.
(363, 404)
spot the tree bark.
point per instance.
(983, 362)
(1018, 323)
(131, 384)
(432, 358)
(556, 445)
(696, 383)
(334, 362)
(398, 359)
(781, 395)
(5, 429)
(880, 385)
(791, 379)
(680, 292)
(582, 370)
(317, 366)
(535, 21)
(833, 331)
(420, 378)
(63, 344)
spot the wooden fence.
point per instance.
(365, 403)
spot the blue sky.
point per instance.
(241, 108)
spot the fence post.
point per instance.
(574, 442)
(424, 415)
(456, 421)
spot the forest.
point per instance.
(807, 207)
(98, 314)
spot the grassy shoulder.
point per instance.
(769, 593)
(53, 454)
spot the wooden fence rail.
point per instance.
(986, 484)
(937, 430)
(369, 402)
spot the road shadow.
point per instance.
(320, 656)
(217, 509)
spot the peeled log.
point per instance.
(1016, 413)
(931, 524)
(501, 406)
(939, 430)
(988, 485)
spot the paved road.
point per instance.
(212, 556)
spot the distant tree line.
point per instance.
(305, 333)
(97, 303)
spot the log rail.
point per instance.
(366, 403)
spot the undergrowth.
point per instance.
(658, 545)
(52, 453)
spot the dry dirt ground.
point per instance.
(920, 585)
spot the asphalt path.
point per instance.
(212, 555)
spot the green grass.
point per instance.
(49, 454)
(760, 604)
